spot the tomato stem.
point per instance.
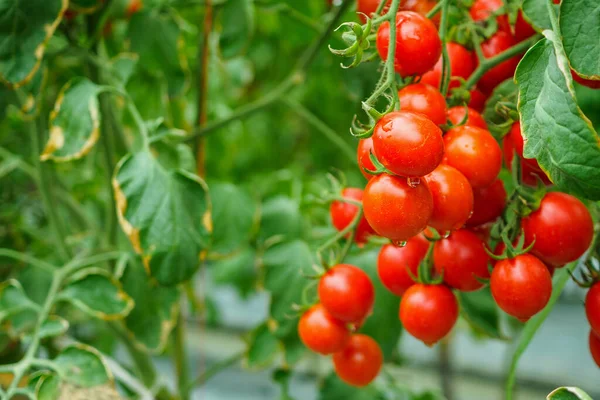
(446, 72)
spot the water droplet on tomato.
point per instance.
(388, 126)
(446, 235)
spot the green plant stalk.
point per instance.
(446, 72)
(491, 62)
(180, 360)
(347, 230)
(215, 369)
(295, 78)
(16, 255)
(553, 19)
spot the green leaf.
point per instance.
(165, 214)
(175, 156)
(158, 40)
(237, 20)
(385, 309)
(21, 323)
(554, 129)
(233, 214)
(283, 378)
(123, 66)
(334, 389)
(33, 91)
(581, 45)
(286, 267)
(13, 299)
(152, 319)
(82, 365)
(98, 294)
(560, 280)
(280, 216)
(262, 347)
(74, 122)
(481, 312)
(53, 326)
(497, 108)
(536, 12)
(25, 28)
(568, 393)
(45, 385)
(239, 270)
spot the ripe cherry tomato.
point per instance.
(457, 114)
(523, 30)
(347, 293)
(474, 152)
(492, 47)
(462, 65)
(488, 204)
(421, 7)
(394, 264)
(521, 286)
(478, 100)
(594, 341)
(592, 84)
(359, 362)
(322, 333)
(592, 307)
(517, 140)
(452, 198)
(482, 9)
(428, 312)
(562, 228)
(462, 259)
(418, 45)
(395, 209)
(424, 99)
(408, 144)
(368, 7)
(528, 174)
(342, 214)
(365, 147)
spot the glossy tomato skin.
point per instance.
(482, 9)
(421, 7)
(528, 174)
(474, 152)
(368, 7)
(461, 258)
(462, 65)
(592, 307)
(428, 312)
(523, 30)
(490, 48)
(477, 101)
(424, 99)
(322, 333)
(517, 141)
(395, 209)
(457, 114)
(488, 204)
(592, 84)
(594, 342)
(562, 228)
(359, 362)
(395, 262)
(452, 198)
(408, 144)
(347, 293)
(342, 214)
(521, 286)
(418, 45)
(363, 152)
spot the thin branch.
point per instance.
(215, 369)
(202, 88)
(180, 359)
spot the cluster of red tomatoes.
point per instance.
(433, 191)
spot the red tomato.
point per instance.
(522, 28)
(428, 312)
(395, 209)
(528, 175)
(521, 286)
(488, 204)
(368, 7)
(483, 9)
(394, 264)
(322, 333)
(421, 7)
(418, 45)
(462, 259)
(408, 144)
(478, 100)
(461, 66)
(424, 99)
(365, 147)
(492, 47)
(452, 198)
(342, 214)
(592, 84)
(592, 306)
(474, 152)
(347, 293)
(595, 347)
(517, 141)
(457, 114)
(359, 362)
(134, 7)
(562, 228)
